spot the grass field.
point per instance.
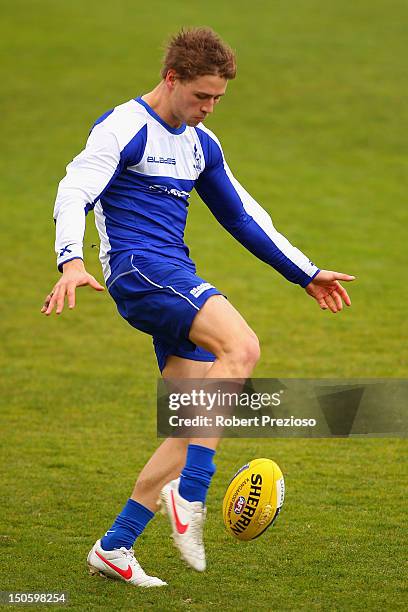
(313, 127)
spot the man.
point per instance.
(141, 161)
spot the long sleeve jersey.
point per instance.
(137, 173)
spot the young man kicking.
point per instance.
(141, 161)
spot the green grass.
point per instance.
(313, 128)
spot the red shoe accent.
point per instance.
(126, 574)
(179, 525)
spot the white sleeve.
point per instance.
(87, 177)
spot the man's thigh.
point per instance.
(218, 326)
(177, 367)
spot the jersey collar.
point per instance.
(151, 112)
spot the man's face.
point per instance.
(192, 101)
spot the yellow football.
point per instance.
(253, 499)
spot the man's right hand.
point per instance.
(74, 275)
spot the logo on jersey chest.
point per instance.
(197, 158)
(153, 159)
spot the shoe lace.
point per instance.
(130, 554)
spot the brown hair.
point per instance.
(195, 52)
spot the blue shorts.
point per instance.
(161, 298)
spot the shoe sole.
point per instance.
(94, 571)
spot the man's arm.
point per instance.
(252, 226)
(245, 219)
(116, 140)
(88, 175)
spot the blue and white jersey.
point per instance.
(137, 173)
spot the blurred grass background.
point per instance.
(313, 128)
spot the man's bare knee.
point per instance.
(252, 350)
(240, 356)
(246, 351)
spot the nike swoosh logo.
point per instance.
(125, 573)
(181, 528)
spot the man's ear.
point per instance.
(170, 79)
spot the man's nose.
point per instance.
(208, 106)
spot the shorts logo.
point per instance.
(197, 291)
(239, 504)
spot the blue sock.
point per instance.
(197, 473)
(128, 525)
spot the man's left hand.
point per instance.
(327, 291)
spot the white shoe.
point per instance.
(120, 564)
(187, 522)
